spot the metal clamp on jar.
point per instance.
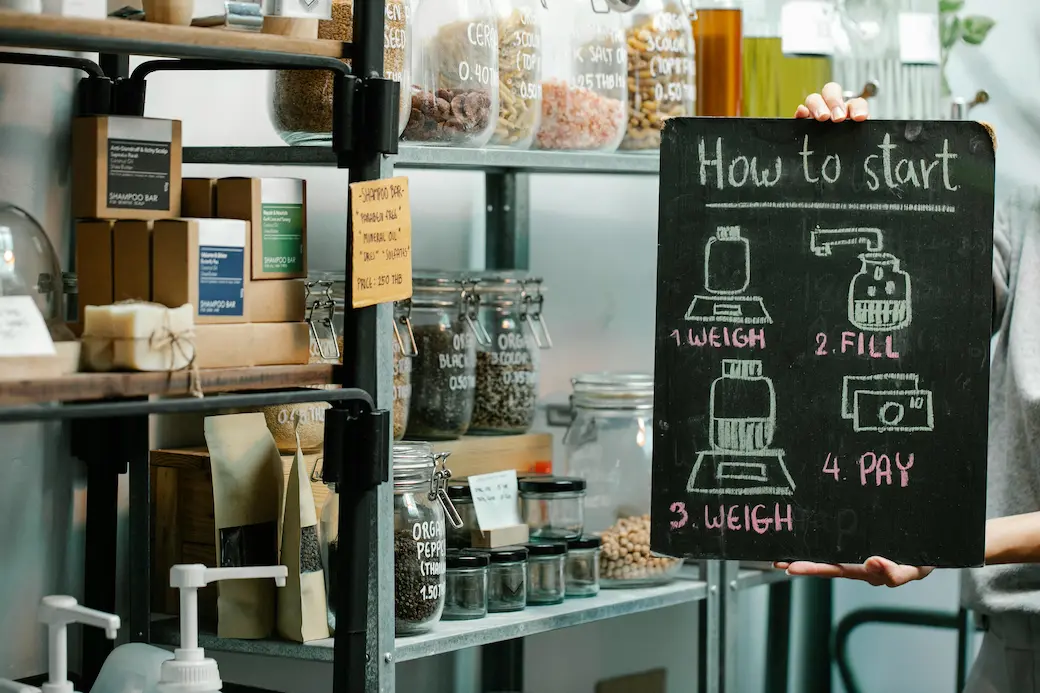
(403, 355)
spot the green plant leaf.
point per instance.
(976, 28)
(950, 32)
(951, 5)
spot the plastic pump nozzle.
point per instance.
(58, 611)
(190, 671)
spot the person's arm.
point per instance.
(1013, 539)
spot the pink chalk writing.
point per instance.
(830, 466)
(679, 508)
(880, 466)
(721, 337)
(747, 518)
(874, 346)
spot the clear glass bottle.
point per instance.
(545, 573)
(446, 328)
(610, 444)
(420, 508)
(553, 507)
(507, 579)
(519, 72)
(718, 35)
(507, 368)
(328, 537)
(661, 71)
(584, 88)
(466, 586)
(582, 568)
(301, 100)
(404, 352)
(454, 98)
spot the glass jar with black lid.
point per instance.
(553, 507)
(466, 586)
(582, 567)
(446, 332)
(507, 366)
(507, 579)
(545, 573)
(462, 498)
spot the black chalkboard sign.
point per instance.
(822, 349)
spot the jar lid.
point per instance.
(506, 281)
(508, 554)
(439, 289)
(460, 492)
(549, 548)
(588, 541)
(552, 484)
(614, 390)
(413, 462)
(456, 560)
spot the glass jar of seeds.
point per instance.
(545, 573)
(404, 352)
(301, 100)
(553, 507)
(466, 583)
(582, 569)
(507, 579)
(446, 329)
(462, 499)
(507, 367)
(420, 508)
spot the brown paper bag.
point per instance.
(247, 494)
(302, 613)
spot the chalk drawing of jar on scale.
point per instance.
(727, 275)
(879, 294)
(742, 420)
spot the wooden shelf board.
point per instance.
(94, 386)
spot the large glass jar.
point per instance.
(507, 367)
(661, 71)
(519, 72)
(584, 88)
(717, 35)
(301, 100)
(420, 508)
(447, 331)
(454, 98)
(610, 444)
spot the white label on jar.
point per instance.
(600, 82)
(429, 550)
(462, 382)
(519, 378)
(806, 28)
(919, 38)
(307, 415)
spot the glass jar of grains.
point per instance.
(519, 72)
(420, 508)
(507, 368)
(301, 100)
(446, 328)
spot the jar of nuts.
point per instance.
(519, 72)
(301, 100)
(454, 96)
(661, 71)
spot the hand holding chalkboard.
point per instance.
(875, 570)
(830, 105)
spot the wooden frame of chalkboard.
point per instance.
(822, 348)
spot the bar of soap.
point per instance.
(138, 336)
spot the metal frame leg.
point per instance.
(135, 443)
(507, 241)
(778, 638)
(502, 667)
(818, 613)
(713, 648)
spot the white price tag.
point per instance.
(919, 39)
(23, 331)
(807, 28)
(494, 500)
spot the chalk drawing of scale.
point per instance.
(727, 274)
(879, 295)
(742, 419)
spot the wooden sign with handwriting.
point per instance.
(382, 258)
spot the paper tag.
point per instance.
(23, 331)
(382, 222)
(807, 28)
(919, 38)
(494, 500)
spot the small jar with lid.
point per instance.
(546, 563)
(507, 579)
(446, 330)
(582, 569)
(462, 498)
(507, 367)
(553, 507)
(466, 594)
(420, 507)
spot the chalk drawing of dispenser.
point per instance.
(879, 294)
(727, 274)
(742, 419)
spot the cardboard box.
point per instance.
(277, 210)
(94, 273)
(126, 168)
(277, 300)
(246, 345)
(132, 260)
(199, 197)
(202, 262)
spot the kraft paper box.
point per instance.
(132, 260)
(126, 168)
(276, 300)
(246, 345)
(202, 262)
(94, 264)
(199, 197)
(277, 210)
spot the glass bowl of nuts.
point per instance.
(626, 559)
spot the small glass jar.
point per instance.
(446, 331)
(466, 586)
(404, 352)
(507, 368)
(553, 507)
(582, 570)
(545, 573)
(519, 72)
(328, 538)
(420, 506)
(507, 579)
(462, 499)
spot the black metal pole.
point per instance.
(778, 637)
(134, 432)
(818, 612)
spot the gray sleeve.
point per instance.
(1001, 264)
(1015, 221)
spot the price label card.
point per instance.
(807, 28)
(23, 331)
(494, 500)
(919, 39)
(382, 228)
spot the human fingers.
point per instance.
(802, 112)
(859, 109)
(832, 96)
(817, 107)
(895, 575)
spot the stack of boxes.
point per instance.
(235, 248)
